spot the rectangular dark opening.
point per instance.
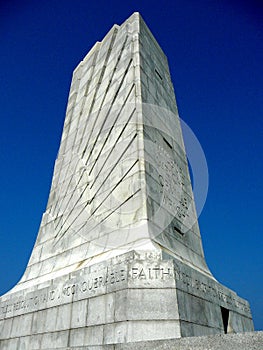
(159, 75)
(225, 317)
(168, 143)
(178, 230)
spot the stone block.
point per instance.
(63, 319)
(115, 333)
(21, 325)
(151, 330)
(10, 344)
(34, 341)
(79, 313)
(54, 340)
(6, 327)
(51, 320)
(94, 335)
(146, 304)
(199, 311)
(101, 309)
(77, 337)
(40, 323)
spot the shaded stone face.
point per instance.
(118, 257)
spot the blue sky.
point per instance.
(215, 52)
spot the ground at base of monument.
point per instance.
(240, 341)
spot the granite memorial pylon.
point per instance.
(118, 257)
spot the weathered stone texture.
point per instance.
(118, 258)
(121, 179)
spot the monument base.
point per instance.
(137, 296)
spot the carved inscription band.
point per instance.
(96, 284)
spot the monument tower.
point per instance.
(118, 257)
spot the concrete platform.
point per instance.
(241, 341)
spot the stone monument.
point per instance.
(118, 257)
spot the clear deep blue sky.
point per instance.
(215, 51)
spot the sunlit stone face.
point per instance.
(118, 257)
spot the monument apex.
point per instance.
(118, 257)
